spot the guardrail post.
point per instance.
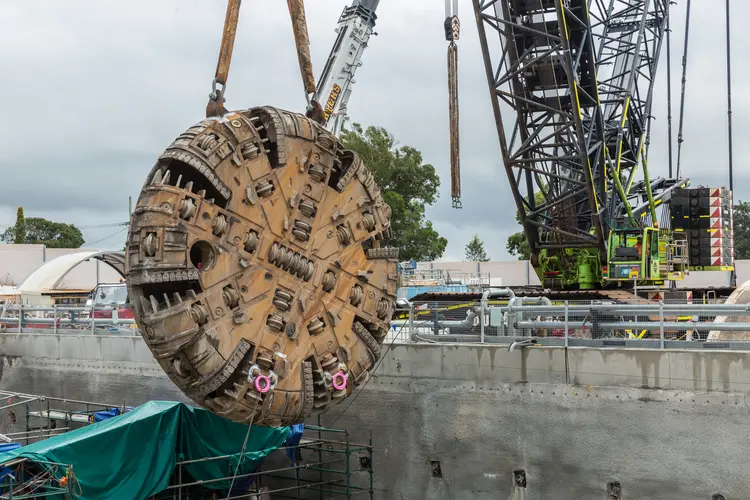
(661, 324)
(566, 323)
(411, 322)
(481, 321)
(20, 318)
(93, 324)
(54, 318)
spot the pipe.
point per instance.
(521, 343)
(491, 293)
(477, 310)
(641, 325)
(513, 306)
(466, 323)
(626, 309)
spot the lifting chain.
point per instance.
(216, 99)
(452, 32)
(215, 106)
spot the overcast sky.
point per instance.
(93, 91)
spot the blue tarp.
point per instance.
(9, 447)
(295, 435)
(112, 412)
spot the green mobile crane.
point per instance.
(576, 77)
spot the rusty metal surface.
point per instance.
(256, 250)
(215, 106)
(227, 40)
(302, 40)
(455, 152)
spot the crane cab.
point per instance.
(649, 255)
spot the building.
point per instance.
(35, 274)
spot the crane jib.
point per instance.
(333, 97)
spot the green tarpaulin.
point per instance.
(132, 456)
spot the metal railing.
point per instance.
(56, 319)
(647, 324)
(441, 277)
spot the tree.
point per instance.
(19, 234)
(742, 230)
(40, 231)
(408, 185)
(475, 250)
(517, 243)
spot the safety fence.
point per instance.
(710, 324)
(56, 319)
(640, 323)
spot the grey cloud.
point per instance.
(99, 89)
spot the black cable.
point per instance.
(669, 92)
(105, 238)
(729, 99)
(733, 274)
(99, 226)
(684, 79)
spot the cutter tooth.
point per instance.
(165, 180)
(154, 303)
(145, 304)
(157, 178)
(189, 186)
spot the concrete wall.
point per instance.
(664, 424)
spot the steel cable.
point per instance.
(242, 452)
(680, 140)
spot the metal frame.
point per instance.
(329, 471)
(329, 475)
(579, 82)
(41, 414)
(21, 318)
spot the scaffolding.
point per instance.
(27, 418)
(325, 464)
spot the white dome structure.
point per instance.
(50, 275)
